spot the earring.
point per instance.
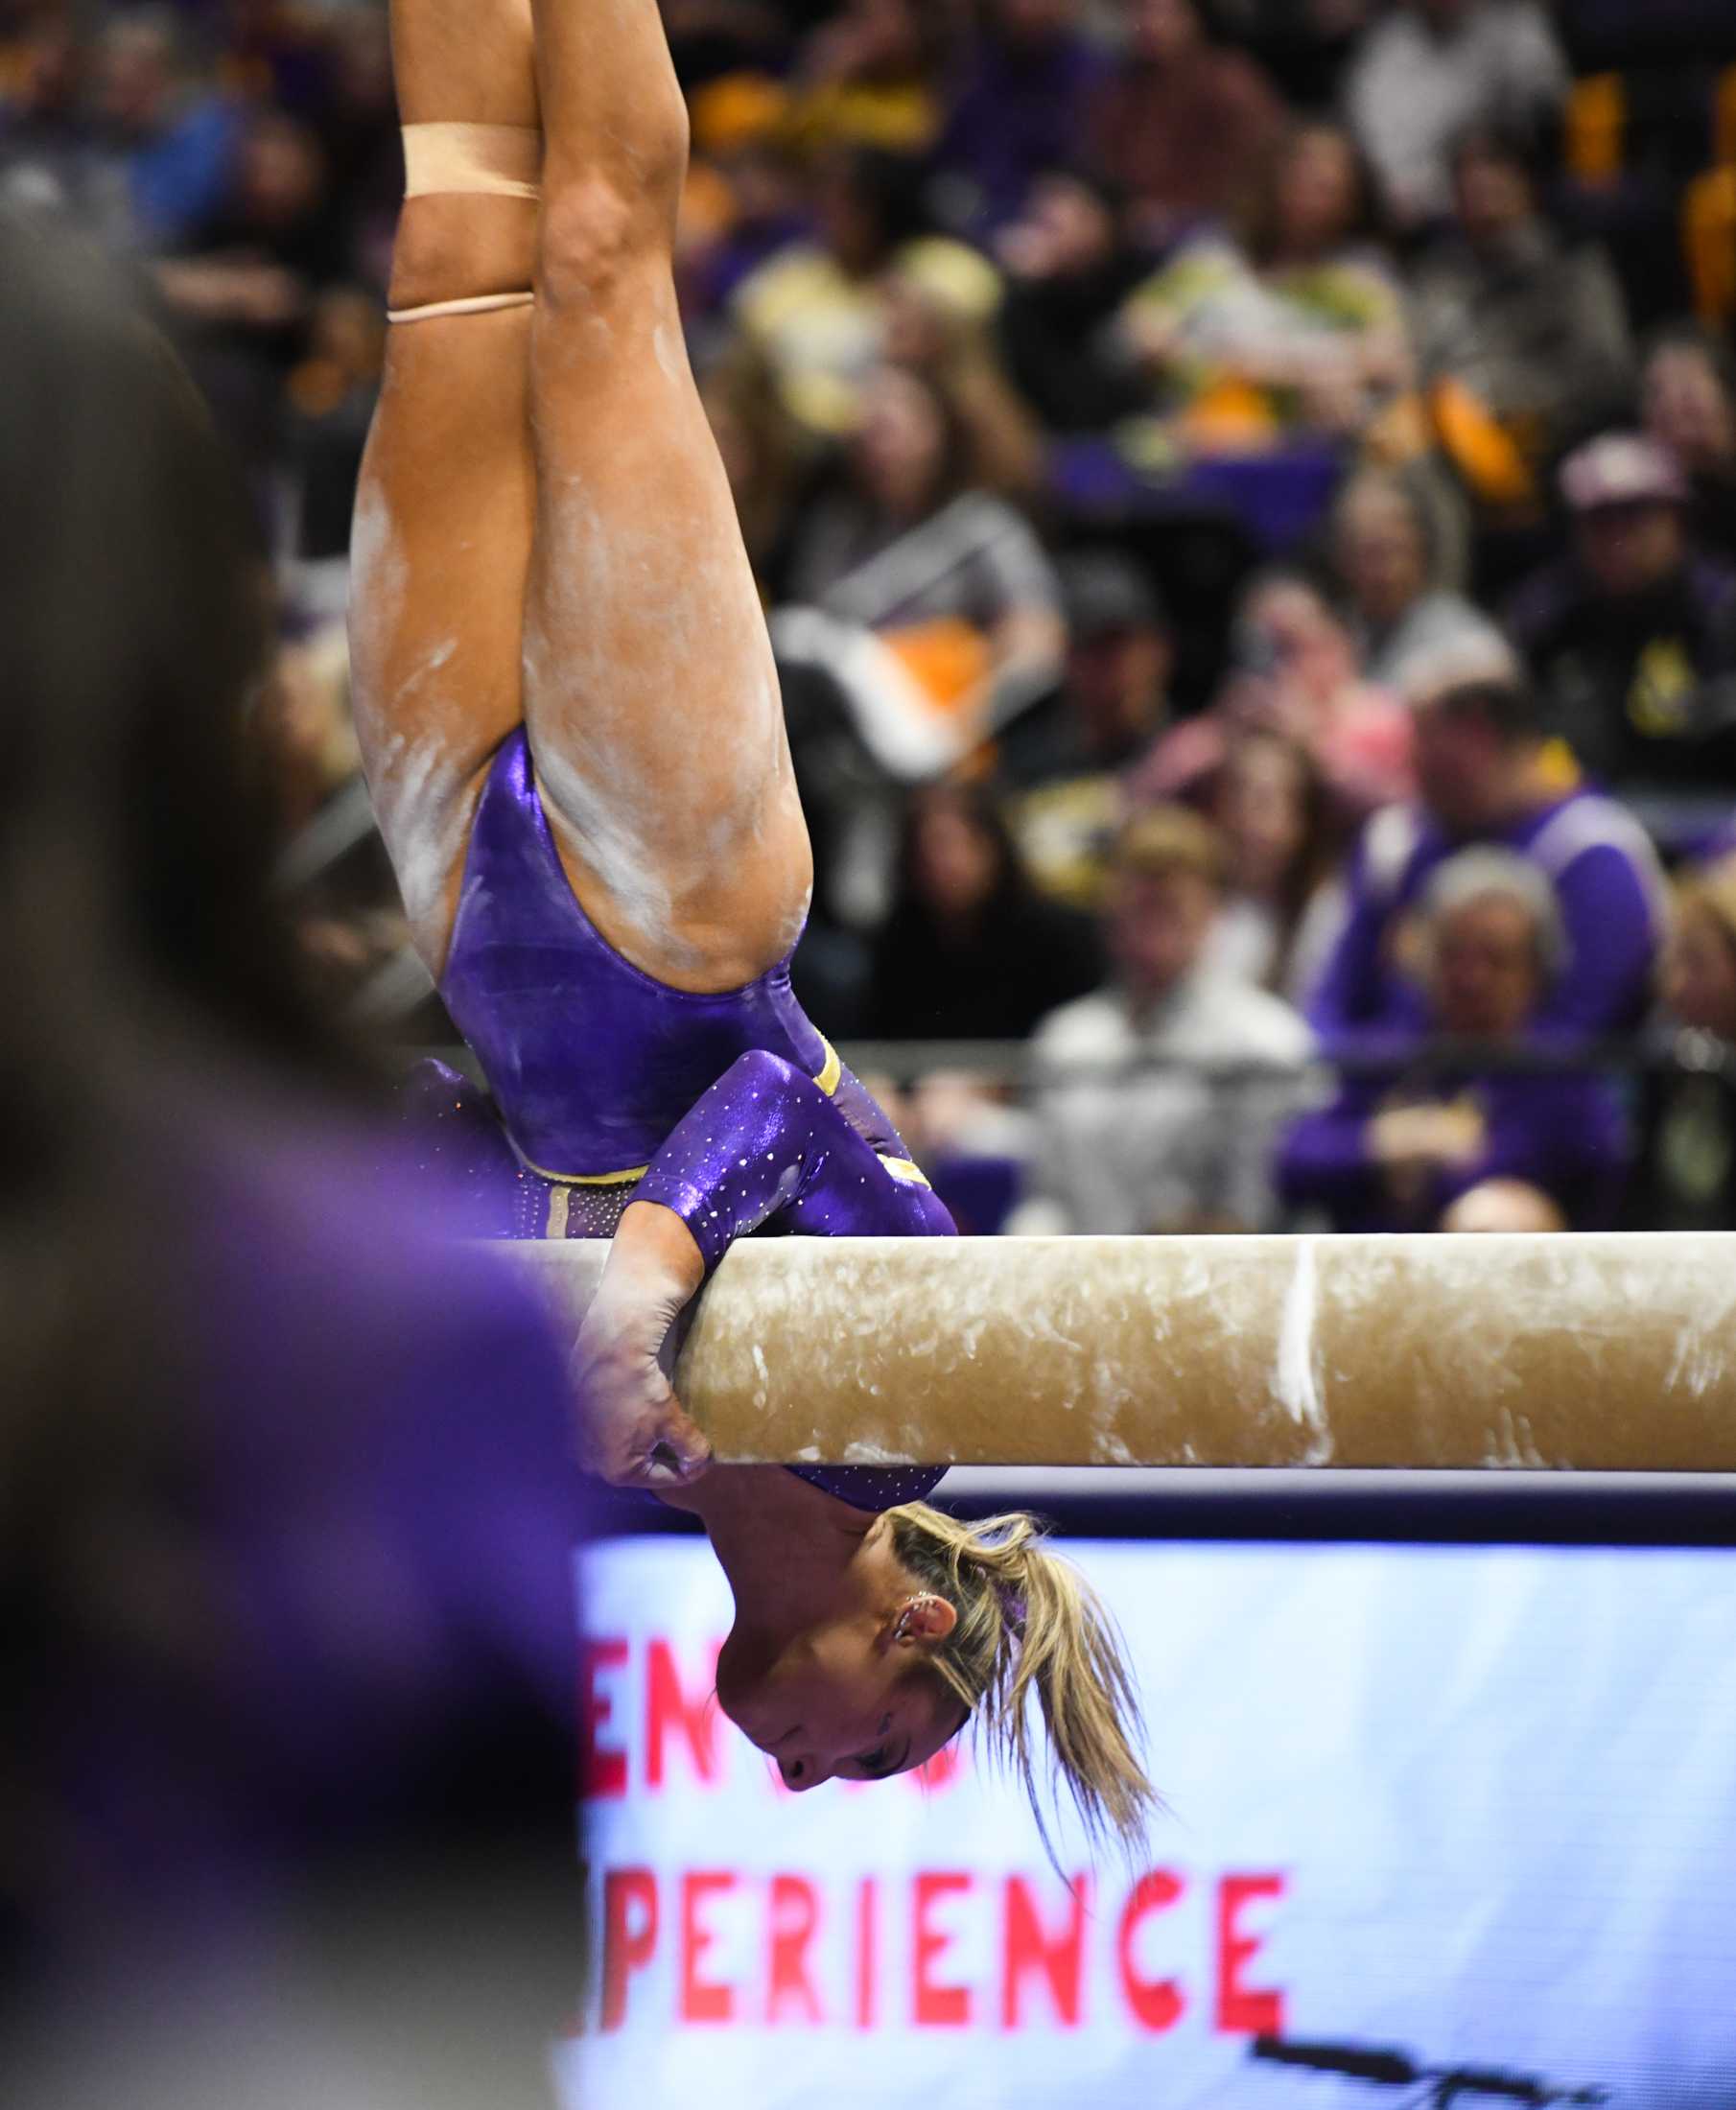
(902, 1629)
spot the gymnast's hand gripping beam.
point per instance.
(1604, 1351)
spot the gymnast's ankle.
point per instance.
(462, 253)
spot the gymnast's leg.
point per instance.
(443, 517)
(648, 688)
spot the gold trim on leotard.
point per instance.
(831, 1070)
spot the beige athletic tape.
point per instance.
(1610, 1351)
(472, 304)
(506, 160)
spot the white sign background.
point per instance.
(1474, 1804)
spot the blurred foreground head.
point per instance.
(134, 849)
(265, 1721)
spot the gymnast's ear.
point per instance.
(924, 1620)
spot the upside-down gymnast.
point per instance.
(575, 744)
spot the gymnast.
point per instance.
(576, 746)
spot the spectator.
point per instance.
(1631, 637)
(1286, 324)
(869, 76)
(1523, 340)
(172, 138)
(1066, 760)
(1389, 534)
(1070, 268)
(1687, 1179)
(47, 157)
(1295, 670)
(1018, 108)
(1284, 834)
(1386, 1157)
(1180, 120)
(968, 950)
(1122, 1147)
(1486, 774)
(249, 268)
(1427, 71)
(954, 352)
(816, 312)
(931, 603)
(1689, 396)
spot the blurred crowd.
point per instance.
(1245, 496)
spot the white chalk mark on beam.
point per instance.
(1296, 1379)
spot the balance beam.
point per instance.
(1599, 1351)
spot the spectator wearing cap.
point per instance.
(1180, 120)
(1065, 762)
(1486, 773)
(1688, 393)
(1162, 1095)
(1428, 70)
(1523, 339)
(1631, 636)
(1395, 1155)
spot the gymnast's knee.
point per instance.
(601, 226)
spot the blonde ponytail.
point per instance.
(1028, 1621)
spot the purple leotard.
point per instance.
(591, 1062)
(729, 1109)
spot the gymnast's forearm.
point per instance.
(653, 1272)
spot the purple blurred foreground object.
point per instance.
(310, 1715)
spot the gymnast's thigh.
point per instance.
(648, 685)
(439, 554)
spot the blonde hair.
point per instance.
(1029, 1622)
(1160, 839)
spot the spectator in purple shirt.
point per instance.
(1396, 1155)
(1486, 773)
(1017, 109)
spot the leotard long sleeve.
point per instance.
(765, 1149)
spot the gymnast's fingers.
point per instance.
(681, 1451)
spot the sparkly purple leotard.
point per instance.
(731, 1110)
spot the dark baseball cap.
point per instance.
(1104, 593)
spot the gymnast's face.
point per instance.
(848, 1698)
